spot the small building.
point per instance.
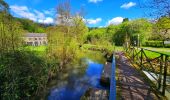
(35, 39)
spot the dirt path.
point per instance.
(132, 85)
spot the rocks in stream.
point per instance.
(95, 94)
(105, 81)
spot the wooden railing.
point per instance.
(158, 67)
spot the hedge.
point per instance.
(156, 44)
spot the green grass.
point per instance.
(161, 50)
(118, 48)
(36, 48)
(151, 54)
(87, 46)
(39, 50)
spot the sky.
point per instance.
(99, 13)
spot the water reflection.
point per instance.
(77, 86)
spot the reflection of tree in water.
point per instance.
(73, 76)
(95, 56)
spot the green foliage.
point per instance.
(30, 26)
(63, 44)
(10, 33)
(130, 30)
(161, 30)
(35, 48)
(125, 20)
(79, 28)
(163, 23)
(4, 7)
(95, 35)
(23, 74)
(118, 34)
(156, 44)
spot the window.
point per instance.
(35, 38)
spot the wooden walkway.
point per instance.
(131, 84)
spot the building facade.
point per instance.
(35, 39)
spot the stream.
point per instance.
(77, 85)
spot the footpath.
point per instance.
(131, 83)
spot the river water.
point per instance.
(77, 86)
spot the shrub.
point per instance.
(23, 74)
(154, 43)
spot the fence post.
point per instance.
(165, 73)
(133, 55)
(160, 73)
(141, 58)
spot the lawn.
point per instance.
(39, 50)
(88, 46)
(161, 50)
(150, 54)
(118, 48)
(36, 48)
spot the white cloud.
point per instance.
(39, 14)
(95, 1)
(48, 20)
(101, 26)
(23, 11)
(128, 5)
(115, 21)
(93, 21)
(49, 11)
(32, 14)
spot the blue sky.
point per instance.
(98, 12)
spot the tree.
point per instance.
(66, 37)
(64, 13)
(4, 7)
(128, 31)
(157, 8)
(10, 33)
(125, 19)
(162, 29)
(30, 26)
(79, 28)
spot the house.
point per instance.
(35, 39)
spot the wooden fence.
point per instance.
(156, 65)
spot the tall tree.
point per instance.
(4, 7)
(157, 8)
(66, 36)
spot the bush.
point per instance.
(167, 45)
(22, 75)
(154, 44)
